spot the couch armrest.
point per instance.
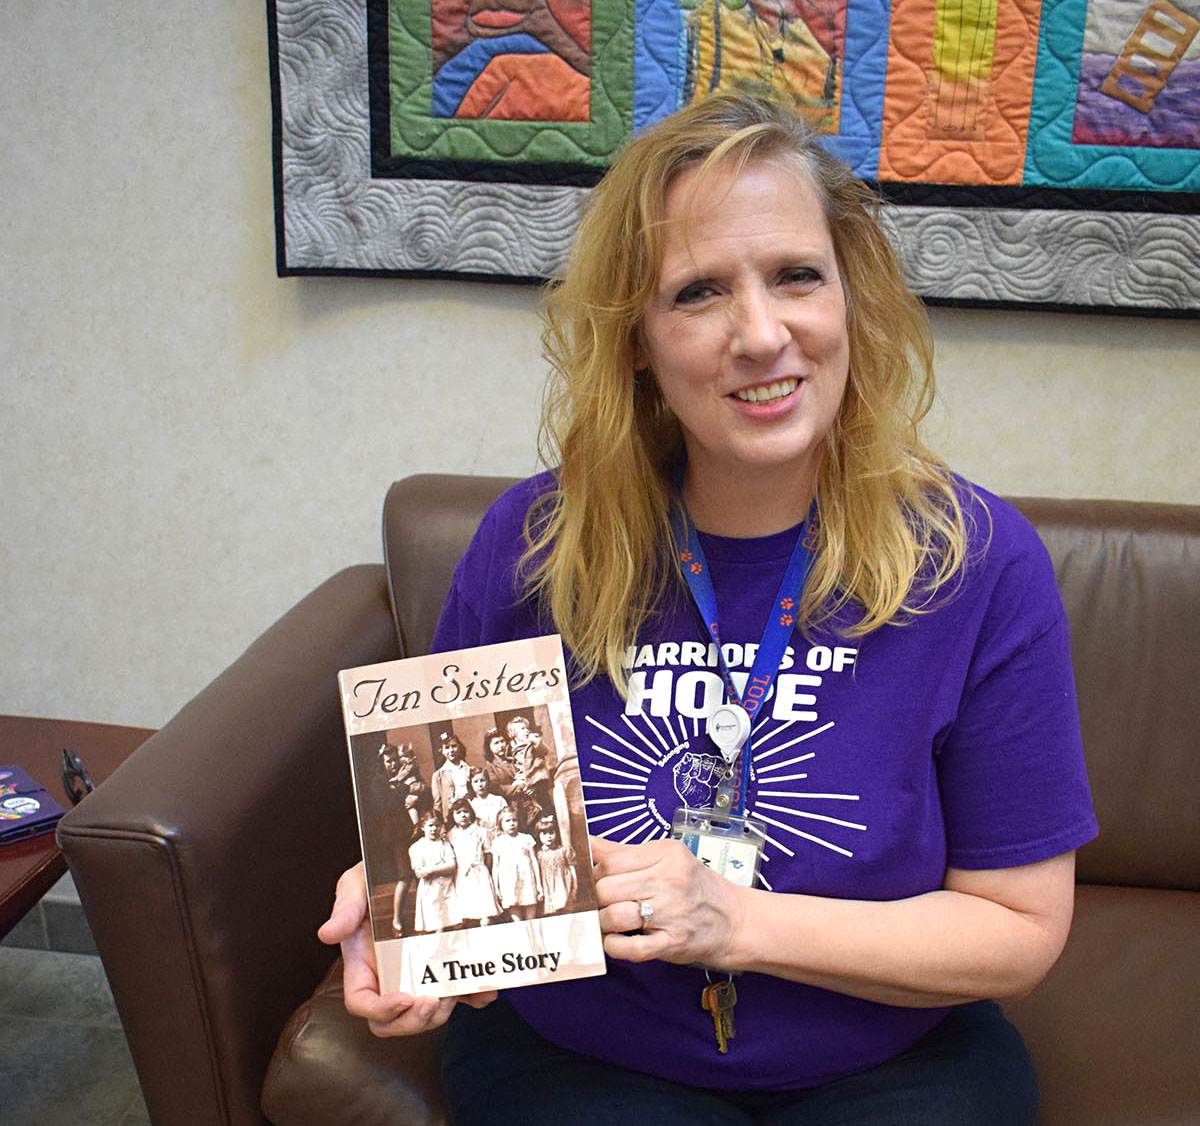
(330, 1068)
(207, 861)
(1115, 1027)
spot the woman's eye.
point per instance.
(690, 294)
(801, 275)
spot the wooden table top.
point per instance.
(30, 867)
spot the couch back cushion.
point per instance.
(428, 521)
(1130, 579)
(1129, 573)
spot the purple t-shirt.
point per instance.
(951, 740)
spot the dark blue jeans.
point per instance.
(971, 1070)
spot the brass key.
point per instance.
(718, 998)
(709, 1003)
(724, 998)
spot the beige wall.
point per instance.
(188, 444)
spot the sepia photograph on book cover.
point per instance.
(472, 821)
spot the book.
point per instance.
(471, 817)
(26, 809)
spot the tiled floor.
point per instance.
(65, 1060)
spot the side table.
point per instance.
(29, 868)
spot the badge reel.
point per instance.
(729, 843)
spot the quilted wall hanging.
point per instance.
(1038, 155)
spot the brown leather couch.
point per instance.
(206, 863)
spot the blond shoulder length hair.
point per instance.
(599, 553)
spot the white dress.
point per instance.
(473, 893)
(515, 870)
(559, 881)
(435, 908)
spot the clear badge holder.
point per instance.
(729, 844)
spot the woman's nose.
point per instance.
(758, 331)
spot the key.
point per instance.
(724, 997)
(709, 1003)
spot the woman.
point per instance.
(739, 372)
(400, 823)
(497, 761)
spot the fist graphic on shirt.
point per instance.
(695, 776)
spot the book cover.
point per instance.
(26, 809)
(471, 816)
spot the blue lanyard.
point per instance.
(776, 633)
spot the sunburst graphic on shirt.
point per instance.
(637, 777)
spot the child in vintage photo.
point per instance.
(515, 869)
(399, 765)
(486, 804)
(435, 866)
(451, 780)
(474, 896)
(418, 800)
(556, 862)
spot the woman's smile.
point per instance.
(769, 392)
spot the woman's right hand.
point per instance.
(393, 1014)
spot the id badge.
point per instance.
(731, 845)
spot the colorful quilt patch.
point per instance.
(958, 91)
(1139, 76)
(528, 82)
(1061, 157)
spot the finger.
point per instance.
(622, 917)
(616, 859)
(368, 1004)
(360, 986)
(421, 1015)
(480, 1000)
(612, 859)
(602, 848)
(613, 891)
(649, 880)
(636, 947)
(349, 907)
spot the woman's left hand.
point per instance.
(695, 911)
(984, 933)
